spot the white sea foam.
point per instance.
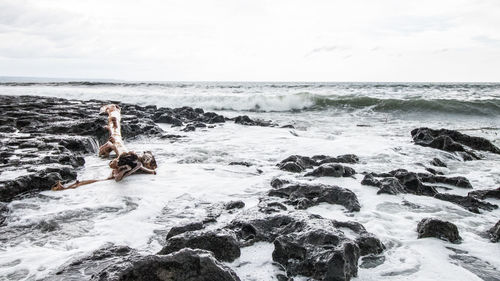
(194, 172)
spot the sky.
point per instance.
(236, 40)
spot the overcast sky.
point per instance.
(233, 40)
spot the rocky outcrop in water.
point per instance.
(494, 232)
(120, 263)
(453, 141)
(308, 245)
(467, 202)
(431, 227)
(403, 181)
(486, 193)
(44, 139)
(298, 163)
(222, 244)
(303, 196)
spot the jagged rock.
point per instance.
(3, 212)
(438, 163)
(276, 182)
(222, 244)
(346, 158)
(41, 180)
(485, 193)
(307, 245)
(296, 163)
(269, 207)
(409, 182)
(185, 228)
(186, 264)
(245, 120)
(332, 170)
(470, 203)
(48, 226)
(494, 232)
(307, 254)
(238, 204)
(246, 164)
(306, 195)
(168, 119)
(452, 141)
(431, 227)
(482, 269)
(455, 181)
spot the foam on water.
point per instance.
(46, 231)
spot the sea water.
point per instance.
(371, 120)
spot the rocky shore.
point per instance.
(44, 140)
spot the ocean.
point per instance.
(371, 120)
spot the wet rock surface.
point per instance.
(494, 232)
(470, 203)
(303, 196)
(308, 245)
(120, 263)
(222, 244)
(480, 268)
(44, 139)
(486, 193)
(432, 227)
(298, 163)
(453, 141)
(403, 181)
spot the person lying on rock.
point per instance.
(126, 162)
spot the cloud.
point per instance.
(327, 49)
(258, 40)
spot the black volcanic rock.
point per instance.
(222, 244)
(403, 181)
(54, 136)
(494, 232)
(308, 245)
(485, 193)
(306, 195)
(245, 120)
(431, 227)
(438, 163)
(470, 203)
(121, 263)
(185, 228)
(3, 212)
(298, 163)
(453, 141)
(332, 170)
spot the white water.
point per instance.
(194, 172)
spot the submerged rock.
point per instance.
(402, 181)
(494, 232)
(3, 212)
(222, 244)
(453, 141)
(245, 120)
(470, 203)
(486, 193)
(438, 163)
(431, 227)
(304, 196)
